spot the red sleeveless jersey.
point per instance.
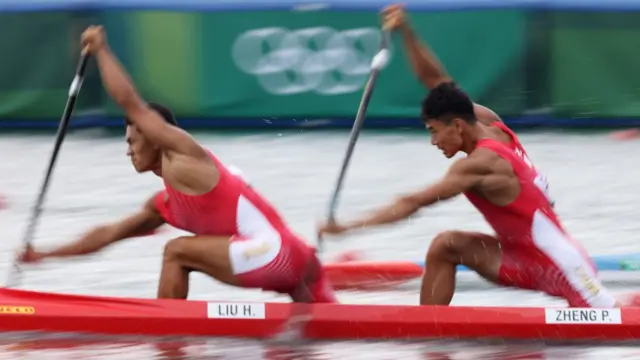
(515, 145)
(234, 209)
(231, 208)
(515, 222)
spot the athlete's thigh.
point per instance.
(477, 251)
(203, 253)
(564, 272)
(520, 268)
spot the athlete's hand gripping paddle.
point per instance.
(379, 61)
(74, 90)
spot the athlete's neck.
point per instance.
(158, 169)
(470, 138)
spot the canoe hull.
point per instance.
(36, 311)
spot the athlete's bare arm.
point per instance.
(121, 89)
(145, 220)
(463, 175)
(423, 61)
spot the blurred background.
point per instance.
(225, 64)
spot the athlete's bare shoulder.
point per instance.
(492, 164)
(496, 180)
(464, 175)
(482, 156)
(478, 163)
(190, 147)
(485, 115)
(190, 175)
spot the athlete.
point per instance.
(431, 73)
(239, 238)
(530, 249)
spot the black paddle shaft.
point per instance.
(74, 90)
(355, 131)
(353, 138)
(301, 312)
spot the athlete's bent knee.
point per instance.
(445, 245)
(174, 248)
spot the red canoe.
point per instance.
(362, 275)
(35, 311)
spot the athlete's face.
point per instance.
(447, 136)
(144, 156)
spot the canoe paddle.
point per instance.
(74, 90)
(301, 312)
(379, 61)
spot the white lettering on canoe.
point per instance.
(583, 316)
(224, 310)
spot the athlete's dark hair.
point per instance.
(164, 112)
(446, 102)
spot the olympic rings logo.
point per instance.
(319, 59)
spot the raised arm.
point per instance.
(462, 176)
(145, 220)
(121, 89)
(424, 62)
